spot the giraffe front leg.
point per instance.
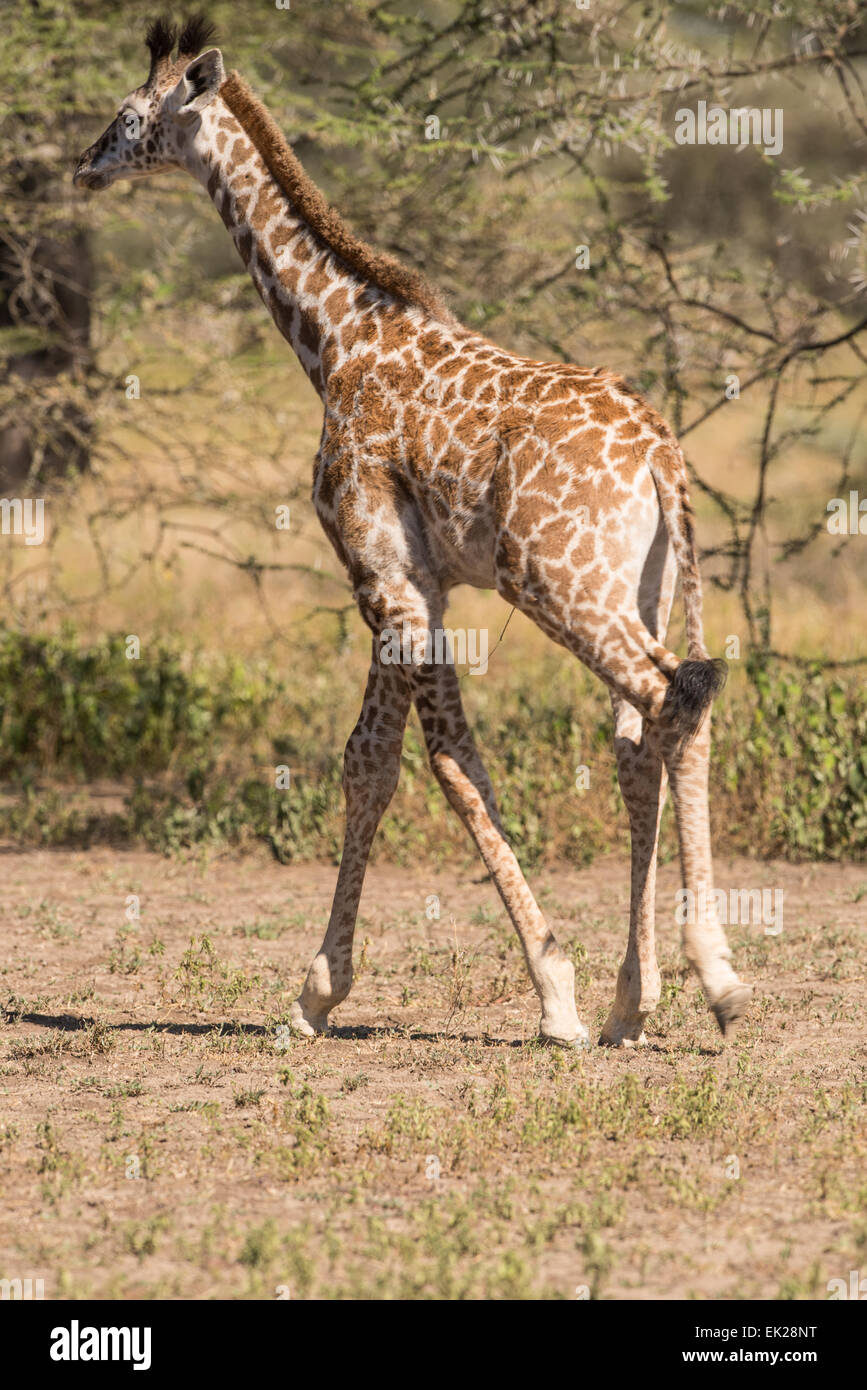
(371, 767)
(643, 783)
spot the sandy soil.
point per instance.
(161, 1134)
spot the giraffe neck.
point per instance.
(316, 301)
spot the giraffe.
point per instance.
(444, 460)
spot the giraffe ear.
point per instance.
(200, 82)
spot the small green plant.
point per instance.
(245, 1099)
(206, 980)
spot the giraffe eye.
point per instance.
(131, 122)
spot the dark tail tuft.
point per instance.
(695, 685)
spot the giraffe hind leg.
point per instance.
(637, 668)
(643, 782)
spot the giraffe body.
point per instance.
(446, 460)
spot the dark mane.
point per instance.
(196, 34)
(404, 284)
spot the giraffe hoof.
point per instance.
(306, 1022)
(625, 1032)
(580, 1043)
(729, 1010)
(611, 1037)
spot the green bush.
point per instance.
(90, 712)
(193, 745)
(795, 769)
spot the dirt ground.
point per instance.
(162, 1134)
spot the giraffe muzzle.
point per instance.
(85, 176)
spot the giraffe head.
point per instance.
(155, 122)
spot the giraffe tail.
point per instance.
(699, 679)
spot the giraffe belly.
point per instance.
(462, 550)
